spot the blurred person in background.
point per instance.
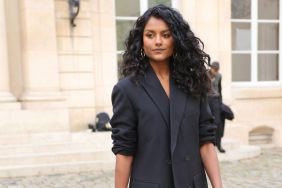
(215, 101)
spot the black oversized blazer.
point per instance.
(163, 134)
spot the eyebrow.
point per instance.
(148, 30)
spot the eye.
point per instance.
(149, 35)
(166, 35)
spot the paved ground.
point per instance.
(261, 172)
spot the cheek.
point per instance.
(169, 43)
(171, 46)
(146, 45)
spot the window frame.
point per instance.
(254, 52)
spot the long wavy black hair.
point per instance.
(187, 64)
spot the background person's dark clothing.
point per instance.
(215, 85)
(226, 113)
(163, 134)
(215, 105)
(215, 100)
(101, 121)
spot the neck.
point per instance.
(160, 68)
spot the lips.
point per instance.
(158, 50)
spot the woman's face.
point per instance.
(157, 40)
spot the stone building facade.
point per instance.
(56, 78)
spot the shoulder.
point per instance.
(127, 86)
(125, 83)
(124, 91)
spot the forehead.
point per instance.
(156, 24)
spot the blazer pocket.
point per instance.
(200, 180)
(142, 184)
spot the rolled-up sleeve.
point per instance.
(207, 128)
(124, 123)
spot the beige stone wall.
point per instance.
(87, 60)
(104, 40)
(76, 63)
(14, 46)
(256, 108)
(30, 97)
(210, 21)
(53, 70)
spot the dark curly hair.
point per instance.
(187, 64)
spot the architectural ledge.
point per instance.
(42, 96)
(6, 97)
(257, 93)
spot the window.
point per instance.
(256, 41)
(126, 17)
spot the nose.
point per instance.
(158, 40)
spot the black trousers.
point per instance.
(215, 106)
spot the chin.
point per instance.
(159, 59)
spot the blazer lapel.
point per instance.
(154, 89)
(178, 100)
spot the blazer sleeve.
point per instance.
(207, 128)
(124, 123)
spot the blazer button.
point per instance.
(168, 162)
(187, 158)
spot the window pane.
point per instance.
(241, 36)
(127, 8)
(268, 9)
(268, 68)
(123, 28)
(241, 67)
(268, 36)
(241, 9)
(156, 2)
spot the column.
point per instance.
(5, 95)
(40, 64)
(105, 54)
(224, 48)
(188, 10)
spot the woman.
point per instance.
(162, 130)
